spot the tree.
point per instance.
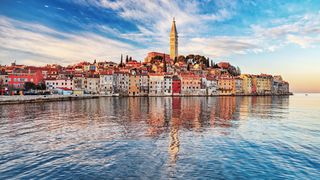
(164, 63)
(121, 61)
(207, 63)
(180, 58)
(127, 59)
(238, 71)
(160, 58)
(176, 59)
(29, 86)
(130, 59)
(41, 86)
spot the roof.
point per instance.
(63, 88)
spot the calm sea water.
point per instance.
(161, 138)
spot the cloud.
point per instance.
(36, 43)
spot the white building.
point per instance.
(106, 81)
(52, 84)
(92, 84)
(211, 85)
(238, 85)
(167, 85)
(156, 82)
(144, 84)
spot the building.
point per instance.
(225, 85)
(156, 82)
(211, 86)
(152, 55)
(173, 41)
(92, 84)
(63, 91)
(144, 84)
(264, 84)
(246, 83)
(167, 84)
(52, 84)
(176, 85)
(237, 86)
(19, 77)
(190, 84)
(134, 84)
(106, 80)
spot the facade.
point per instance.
(264, 84)
(156, 82)
(19, 77)
(211, 85)
(167, 85)
(92, 84)
(176, 85)
(144, 84)
(237, 86)
(190, 84)
(52, 84)
(225, 85)
(173, 41)
(106, 80)
(246, 83)
(134, 84)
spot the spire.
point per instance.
(173, 27)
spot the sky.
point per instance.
(263, 36)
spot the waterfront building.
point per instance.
(211, 85)
(144, 83)
(190, 84)
(246, 83)
(176, 85)
(173, 41)
(237, 86)
(92, 84)
(79, 82)
(156, 82)
(167, 84)
(264, 84)
(52, 84)
(106, 80)
(19, 77)
(225, 85)
(134, 84)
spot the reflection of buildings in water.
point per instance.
(226, 106)
(156, 118)
(174, 144)
(190, 110)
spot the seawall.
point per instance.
(51, 98)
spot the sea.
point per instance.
(266, 137)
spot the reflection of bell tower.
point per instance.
(173, 40)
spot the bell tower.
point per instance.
(173, 41)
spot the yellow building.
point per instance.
(264, 84)
(246, 83)
(173, 41)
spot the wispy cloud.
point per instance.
(38, 43)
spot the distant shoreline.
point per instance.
(5, 100)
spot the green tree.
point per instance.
(29, 86)
(41, 86)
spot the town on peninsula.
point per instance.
(159, 74)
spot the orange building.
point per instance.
(134, 82)
(225, 85)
